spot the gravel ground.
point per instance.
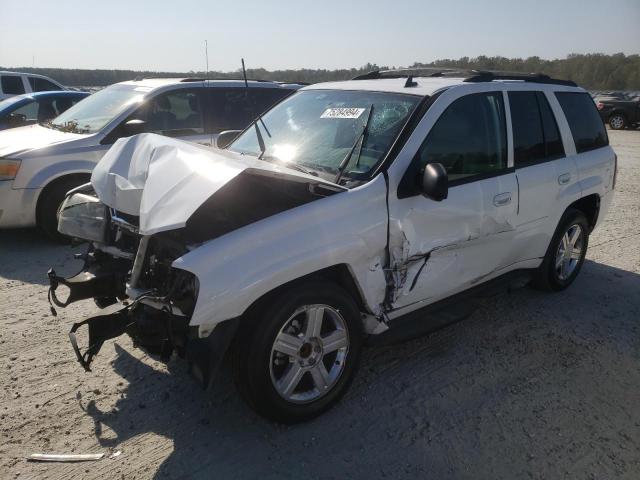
(532, 385)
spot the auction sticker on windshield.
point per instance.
(343, 112)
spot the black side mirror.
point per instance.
(434, 182)
(224, 139)
(134, 127)
(16, 120)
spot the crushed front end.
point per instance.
(130, 277)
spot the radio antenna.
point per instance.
(206, 57)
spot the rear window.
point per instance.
(42, 85)
(12, 84)
(584, 121)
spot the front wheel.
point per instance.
(566, 252)
(295, 358)
(617, 122)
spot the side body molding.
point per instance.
(237, 268)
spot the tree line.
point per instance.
(593, 71)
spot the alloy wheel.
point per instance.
(569, 251)
(616, 122)
(309, 353)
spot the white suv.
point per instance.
(40, 163)
(16, 83)
(372, 209)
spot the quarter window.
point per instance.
(42, 85)
(469, 138)
(12, 84)
(535, 134)
(585, 123)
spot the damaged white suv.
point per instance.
(375, 209)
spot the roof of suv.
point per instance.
(413, 82)
(424, 86)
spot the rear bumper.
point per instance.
(605, 203)
(17, 205)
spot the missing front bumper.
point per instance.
(111, 323)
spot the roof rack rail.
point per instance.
(406, 72)
(472, 76)
(489, 76)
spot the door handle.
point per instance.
(502, 199)
(564, 178)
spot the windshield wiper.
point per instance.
(255, 120)
(345, 161)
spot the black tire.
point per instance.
(617, 121)
(49, 203)
(547, 276)
(253, 358)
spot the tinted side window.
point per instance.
(535, 133)
(552, 140)
(586, 125)
(265, 98)
(12, 84)
(528, 137)
(175, 114)
(469, 137)
(42, 85)
(230, 109)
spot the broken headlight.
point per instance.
(83, 216)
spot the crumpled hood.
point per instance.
(164, 181)
(14, 141)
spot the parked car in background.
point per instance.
(350, 209)
(40, 163)
(16, 83)
(619, 113)
(38, 107)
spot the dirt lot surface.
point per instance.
(532, 385)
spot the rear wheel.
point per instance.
(566, 252)
(295, 358)
(49, 204)
(617, 121)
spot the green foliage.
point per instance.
(594, 71)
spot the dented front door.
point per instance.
(441, 248)
(438, 248)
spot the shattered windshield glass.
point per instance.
(94, 112)
(332, 133)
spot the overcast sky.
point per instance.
(169, 35)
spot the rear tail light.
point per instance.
(615, 171)
(599, 105)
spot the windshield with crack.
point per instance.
(94, 112)
(326, 131)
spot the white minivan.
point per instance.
(40, 163)
(373, 209)
(16, 83)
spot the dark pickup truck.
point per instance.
(619, 113)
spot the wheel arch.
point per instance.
(80, 176)
(620, 112)
(590, 206)
(339, 274)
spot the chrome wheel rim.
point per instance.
(309, 353)
(616, 122)
(569, 251)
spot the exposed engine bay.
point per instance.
(128, 271)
